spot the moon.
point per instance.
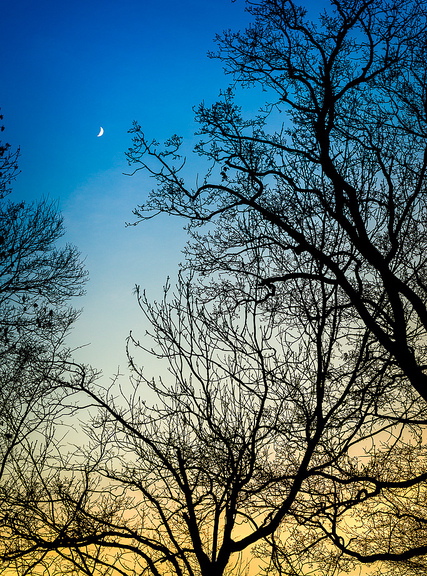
(101, 132)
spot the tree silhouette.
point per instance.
(292, 418)
(324, 187)
(37, 281)
(332, 170)
(250, 431)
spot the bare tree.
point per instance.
(340, 182)
(306, 349)
(252, 429)
(326, 186)
(37, 281)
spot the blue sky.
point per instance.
(69, 68)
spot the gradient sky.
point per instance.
(69, 68)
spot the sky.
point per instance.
(69, 68)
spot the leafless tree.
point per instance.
(325, 187)
(37, 280)
(332, 170)
(184, 474)
(304, 350)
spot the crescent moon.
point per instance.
(101, 132)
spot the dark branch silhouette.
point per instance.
(247, 434)
(332, 170)
(37, 281)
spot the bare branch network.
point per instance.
(287, 433)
